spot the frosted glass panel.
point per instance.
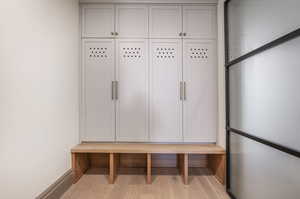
(261, 172)
(253, 23)
(265, 95)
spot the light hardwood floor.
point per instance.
(166, 185)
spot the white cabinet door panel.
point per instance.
(132, 77)
(165, 21)
(97, 20)
(199, 22)
(165, 103)
(132, 21)
(98, 74)
(200, 107)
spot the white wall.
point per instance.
(38, 93)
(221, 76)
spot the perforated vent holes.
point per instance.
(132, 53)
(98, 53)
(199, 53)
(165, 53)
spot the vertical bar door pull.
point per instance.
(184, 90)
(112, 90)
(181, 91)
(116, 90)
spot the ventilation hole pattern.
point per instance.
(98, 53)
(134, 53)
(165, 53)
(199, 53)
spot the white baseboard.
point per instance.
(58, 188)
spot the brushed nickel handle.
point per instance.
(112, 90)
(181, 91)
(184, 90)
(112, 33)
(116, 33)
(180, 34)
(184, 34)
(116, 90)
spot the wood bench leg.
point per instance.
(80, 164)
(186, 168)
(112, 168)
(183, 165)
(149, 167)
(217, 164)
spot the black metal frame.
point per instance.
(265, 47)
(266, 142)
(228, 64)
(227, 100)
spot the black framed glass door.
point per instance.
(263, 98)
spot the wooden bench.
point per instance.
(215, 157)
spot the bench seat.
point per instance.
(215, 155)
(147, 148)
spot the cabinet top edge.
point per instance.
(152, 1)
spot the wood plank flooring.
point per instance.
(167, 184)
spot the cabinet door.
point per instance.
(200, 106)
(199, 22)
(98, 74)
(132, 77)
(165, 102)
(97, 20)
(165, 21)
(132, 21)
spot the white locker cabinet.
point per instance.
(98, 74)
(165, 102)
(162, 60)
(132, 21)
(98, 20)
(199, 22)
(132, 76)
(165, 21)
(200, 106)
